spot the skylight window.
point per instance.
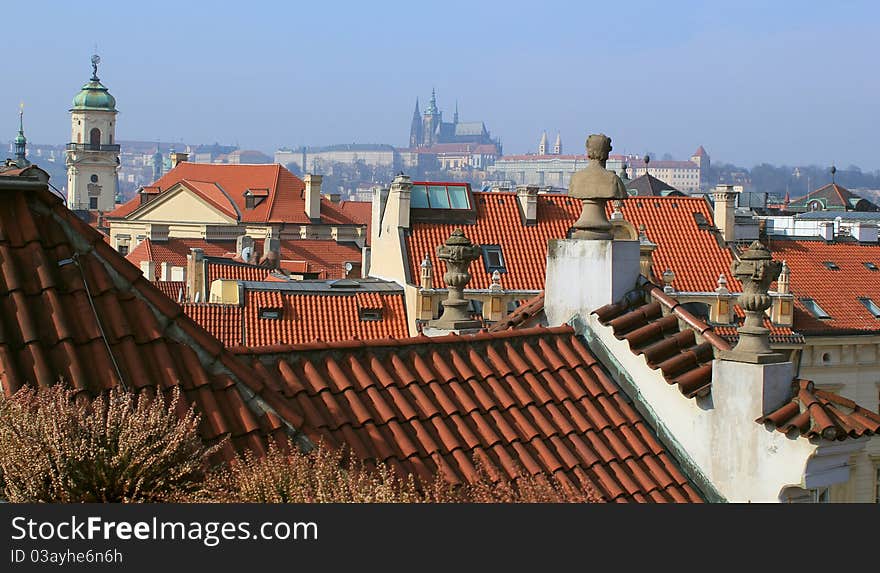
(439, 196)
(493, 259)
(871, 306)
(814, 308)
(831, 265)
(270, 313)
(871, 266)
(370, 314)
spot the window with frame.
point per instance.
(870, 305)
(123, 250)
(493, 259)
(93, 203)
(814, 308)
(270, 313)
(439, 196)
(370, 314)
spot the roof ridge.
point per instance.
(274, 195)
(410, 341)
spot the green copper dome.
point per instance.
(94, 96)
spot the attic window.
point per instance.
(270, 313)
(870, 305)
(870, 266)
(253, 197)
(831, 265)
(700, 219)
(814, 308)
(370, 314)
(439, 196)
(493, 259)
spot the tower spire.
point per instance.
(455, 115)
(21, 140)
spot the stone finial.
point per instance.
(458, 253)
(496, 281)
(756, 269)
(427, 273)
(722, 284)
(668, 278)
(594, 186)
(783, 284)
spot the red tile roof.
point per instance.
(218, 269)
(74, 310)
(532, 399)
(836, 291)
(835, 196)
(526, 314)
(327, 258)
(818, 413)
(305, 317)
(171, 289)
(682, 357)
(694, 254)
(778, 334)
(224, 187)
(360, 212)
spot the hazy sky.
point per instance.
(783, 82)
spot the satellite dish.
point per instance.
(246, 253)
(348, 267)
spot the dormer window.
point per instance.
(493, 259)
(871, 266)
(253, 197)
(814, 308)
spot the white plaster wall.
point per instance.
(585, 275)
(745, 461)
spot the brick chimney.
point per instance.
(313, 196)
(195, 275)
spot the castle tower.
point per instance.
(557, 147)
(542, 146)
(415, 130)
(431, 121)
(157, 164)
(21, 141)
(92, 154)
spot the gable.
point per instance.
(182, 205)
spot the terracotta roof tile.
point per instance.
(818, 413)
(75, 310)
(810, 278)
(436, 404)
(324, 258)
(693, 253)
(224, 187)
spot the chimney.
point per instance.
(725, 211)
(165, 271)
(195, 275)
(425, 308)
(782, 307)
(494, 309)
(826, 230)
(399, 198)
(149, 270)
(244, 248)
(865, 232)
(646, 254)
(313, 196)
(178, 157)
(527, 197)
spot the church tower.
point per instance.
(432, 121)
(415, 130)
(21, 141)
(557, 147)
(542, 146)
(92, 154)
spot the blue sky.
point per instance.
(783, 82)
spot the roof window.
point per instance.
(370, 314)
(439, 196)
(831, 265)
(493, 259)
(871, 266)
(270, 313)
(814, 308)
(870, 305)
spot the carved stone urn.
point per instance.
(457, 252)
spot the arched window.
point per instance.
(95, 137)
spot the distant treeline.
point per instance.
(797, 181)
